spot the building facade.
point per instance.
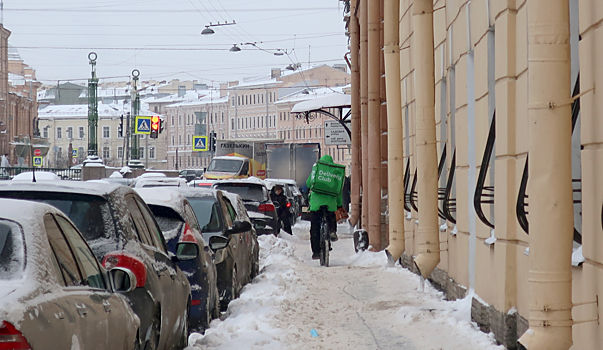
(486, 61)
(66, 127)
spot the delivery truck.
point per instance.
(291, 161)
(238, 159)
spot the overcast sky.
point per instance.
(161, 38)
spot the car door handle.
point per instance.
(60, 315)
(107, 307)
(81, 309)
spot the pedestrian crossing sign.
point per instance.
(37, 161)
(143, 125)
(200, 143)
(74, 153)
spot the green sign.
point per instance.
(200, 143)
(143, 125)
(37, 161)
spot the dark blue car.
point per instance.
(178, 223)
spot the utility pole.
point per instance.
(92, 108)
(128, 133)
(135, 107)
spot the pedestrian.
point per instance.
(318, 199)
(278, 197)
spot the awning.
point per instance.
(331, 101)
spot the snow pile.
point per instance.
(250, 322)
(369, 259)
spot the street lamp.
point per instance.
(235, 48)
(209, 31)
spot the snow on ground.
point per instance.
(356, 302)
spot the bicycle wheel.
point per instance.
(325, 242)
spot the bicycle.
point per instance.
(325, 237)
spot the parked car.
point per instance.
(254, 193)
(178, 223)
(242, 215)
(191, 174)
(219, 226)
(54, 294)
(160, 182)
(299, 198)
(122, 232)
(201, 183)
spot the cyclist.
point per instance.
(278, 197)
(316, 201)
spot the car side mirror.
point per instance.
(122, 280)
(186, 251)
(218, 242)
(239, 227)
(259, 223)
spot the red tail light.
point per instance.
(11, 338)
(188, 235)
(195, 302)
(128, 261)
(266, 207)
(288, 205)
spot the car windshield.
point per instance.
(11, 251)
(247, 191)
(225, 165)
(86, 211)
(207, 212)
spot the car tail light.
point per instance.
(128, 261)
(266, 207)
(188, 235)
(288, 205)
(195, 302)
(11, 338)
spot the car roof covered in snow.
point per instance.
(249, 180)
(81, 187)
(190, 192)
(40, 176)
(161, 182)
(229, 157)
(165, 197)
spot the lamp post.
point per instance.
(209, 31)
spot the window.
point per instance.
(45, 132)
(62, 252)
(222, 117)
(106, 132)
(59, 132)
(69, 133)
(232, 122)
(152, 152)
(81, 132)
(289, 134)
(179, 120)
(253, 98)
(141, 153)
(232, 103)
(172, 140)
(120, 152)
(172, 120)
(81, 153)
(106, 153)
(155, 109)
(179, 140)
(88, 264)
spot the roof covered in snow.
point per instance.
(105, 111)
(330, 101)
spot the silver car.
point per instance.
(54, 294)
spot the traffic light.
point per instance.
(161, 125)
(155, 121)
(120, 128)
(212, 141)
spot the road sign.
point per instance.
(74, 153)
(37, 161)
(37, 152)
(200, 143)
(74, 160)
(143, 125)
(336, 134)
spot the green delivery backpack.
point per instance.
(328, 178)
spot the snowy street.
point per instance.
(356, 302)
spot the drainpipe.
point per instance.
(374, 125)
(395, 155)
(355, 166)
(364, 107)
(550, 190)
(427, 162)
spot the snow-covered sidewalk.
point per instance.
(356, 303)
